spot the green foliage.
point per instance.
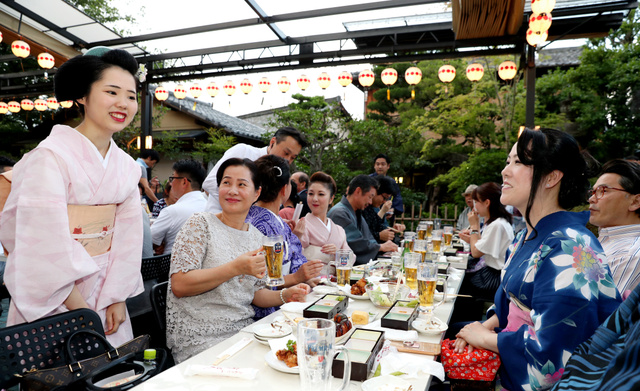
(219, 142)
(482, 166)
(102, 11)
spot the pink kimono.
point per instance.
(45, 259)
(317, 235)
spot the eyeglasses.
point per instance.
(601, 190)
(171, 178)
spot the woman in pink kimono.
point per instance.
(322, 237)
(72, 223)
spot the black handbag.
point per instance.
(82, 374)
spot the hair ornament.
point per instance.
(279, 171)
(97, 51)
(141, 75)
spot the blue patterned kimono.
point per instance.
(562, 276)
(610, 360)
(270, 224)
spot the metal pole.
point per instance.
(531, 87)
(145, 120)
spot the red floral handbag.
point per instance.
(480, 364)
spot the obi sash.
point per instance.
(92, 226)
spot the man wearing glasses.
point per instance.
(615, 209)
(186, 186)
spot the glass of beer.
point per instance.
(411, 261)
(436, 239)
(343, 266)
(427, 281)
(273, 246)
(408, 240)
(448, 235)
(429, 228)
(420, 247)
(422, 230)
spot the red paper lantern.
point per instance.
(540, 22)
(4, 107)
(213, 89)
(180, 92)
(52, 103)
(446, 73)
(303, 82)
(507, 70)
(40, 104)
(264, 84)
(14, 106)
(20, 49)
(366, 78)
(246, 86)
(46, 60)
(324, 80)
(284, 84)
(229, 88)
(66, 104)
(26, 104)
(161, 93)
(195, 90)
(345, 78)
(475, 72)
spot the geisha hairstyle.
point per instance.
(274, 175)
(547, 150)
(326, 180)
(74, 78)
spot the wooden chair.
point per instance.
(39, 344)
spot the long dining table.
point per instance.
(267, 379)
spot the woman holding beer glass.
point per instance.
(321, 237)
(556, 286)
(275, 179)
(217, 268)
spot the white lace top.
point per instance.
(196, 323)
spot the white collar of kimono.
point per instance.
(105, 160)
(327, 226)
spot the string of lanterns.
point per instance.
(539, 21)
(40, 104)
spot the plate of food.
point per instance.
(434, 327)
(283, 355)
(358, 291)
(344, 327)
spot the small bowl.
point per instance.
(381, 295)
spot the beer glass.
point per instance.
(422, 230)
(448, 235)
(436, 239)
(429, 228)
(411, 261)
(343, 266)
(316, 349)
(427, 280)
(273, 246)
(408, 240)
(396, 261)
(420, 247)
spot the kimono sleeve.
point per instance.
(123, 279)
(572, 291)
(297, 257)
(44, 261)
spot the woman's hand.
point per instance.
(251, 263)
(299, 227)
(329, 249)
(386, 206)
(308, 270)
(476, 335)
(474, 220)
(116, 315)
(296, 293)
(465, 235)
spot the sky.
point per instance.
(163, 15)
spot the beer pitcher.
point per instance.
(316, 349)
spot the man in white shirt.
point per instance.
(615, 209)
(186, 182)
(287, 143)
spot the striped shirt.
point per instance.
(621, 244)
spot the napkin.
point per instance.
(280, 343)
(411, 365)
(395, 335)
(210, 370)
(294, 307)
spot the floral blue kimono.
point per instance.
(270, 224)
(562, 281)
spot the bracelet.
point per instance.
(475, 231)
(282, 297)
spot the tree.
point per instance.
(599, 99)
(323, 125)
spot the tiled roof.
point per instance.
(205, 113)
(562, 57)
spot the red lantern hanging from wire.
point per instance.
(345, 78)
(20, 49)
(4, 107)
(366, 78)
(412, 76)
(246, 86)
(52, 103)
(26, 104)
(180, 92)
(161, 93)
(264, 85)
(40, 104)
(195, 90)
(542, 6)
(507, 70)
(389, 76)
(303, 82)
(14, 106)
(475, 72)
(284, 84)
(540, 22)
(66, 104)
(535, 38)
(324, 80)
(212, 89)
